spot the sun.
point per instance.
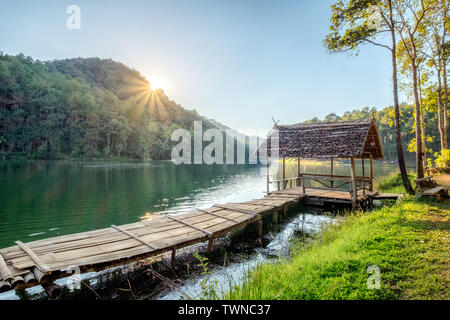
(158, 82)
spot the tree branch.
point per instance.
(378, 44)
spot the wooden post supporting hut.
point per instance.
(334, 141)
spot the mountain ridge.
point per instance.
(85, 108)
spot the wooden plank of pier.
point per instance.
(133, 236)
(39, 264)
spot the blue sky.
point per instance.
(239, 62)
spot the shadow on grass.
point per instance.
(426, 225)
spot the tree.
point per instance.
(422, 78)
(332, 117)
(435, 34)
(313, 120)
(411, 15)
(358, 22)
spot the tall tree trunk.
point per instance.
(442, 132)
(419, 152)
(422, 128)
(445, 103)
(422, 123)
(398, 135)
(445, 7)
(445, 111)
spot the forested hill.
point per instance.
(84, 108)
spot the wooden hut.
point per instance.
(350, 140)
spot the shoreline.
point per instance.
(401, 249)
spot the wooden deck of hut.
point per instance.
(42, 261)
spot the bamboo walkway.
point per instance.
(39, 262)
(42, 261)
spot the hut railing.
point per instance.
(283, 183)
(336, 181)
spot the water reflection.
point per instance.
(42, 199)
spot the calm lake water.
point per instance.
(42, 199)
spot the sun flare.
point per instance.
(158, 82)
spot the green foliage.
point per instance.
(405, 241)
(442, 158)
(210, 288)
(353, 23)
(84, 108)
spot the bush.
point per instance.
(442, 159)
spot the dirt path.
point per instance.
(443, 180)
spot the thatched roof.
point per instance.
(326, 140)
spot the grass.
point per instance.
(407, 241)
(394, 183)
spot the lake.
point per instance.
(42, 199)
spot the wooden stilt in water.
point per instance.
(210, 244)
(52, 290)
(364, 177)
(303, 186)
(275, 217)
(174, 257)
(371, 172)
(298, 172)
(260, 227)
(285, 210)
(332, 173)
(353, 184)
(268, 175)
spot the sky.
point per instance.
(238, 62)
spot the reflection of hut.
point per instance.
(328, 140)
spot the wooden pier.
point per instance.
(40, 262)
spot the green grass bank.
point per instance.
(408, 241)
